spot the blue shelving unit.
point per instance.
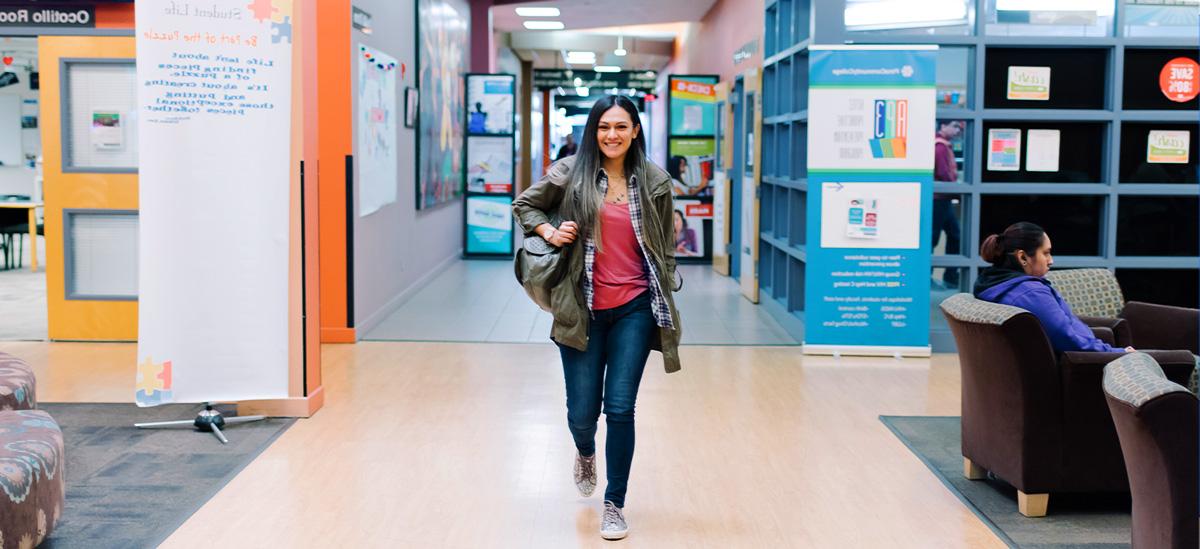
(1105, 213)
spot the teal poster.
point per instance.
(693, 105)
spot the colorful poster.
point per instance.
(689, 219)
(1029, 83)
(690, 165)
(1041, 150)
(1168, 147)
(1179, 79)
(489, 164)
(489, 225)
(1004, 150)
(375, 130)
(693, 105)
(490, 104)
(214, 202)
(443, 36)
(107, 133)
(870, 173)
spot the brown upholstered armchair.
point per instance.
(1094, 294)
(1156, 423)
(1035, 419)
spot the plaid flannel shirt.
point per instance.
(658, 301)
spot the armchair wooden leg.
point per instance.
(1032, 505)
(972, 471)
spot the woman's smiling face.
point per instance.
(615, 132)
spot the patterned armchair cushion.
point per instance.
(1089, 292)
(32, 477)
(1136, 379)
(965, 308)
(17, 385)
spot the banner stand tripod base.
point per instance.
(208, 420)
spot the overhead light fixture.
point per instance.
(544, 25)
(583, 92)
(607, 68)
(537, 12)
(581, 57)
(578, 81)
(620, 51)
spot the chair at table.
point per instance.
(1034, 418)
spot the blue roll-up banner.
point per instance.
(870, 196)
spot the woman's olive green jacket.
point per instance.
(571, 316)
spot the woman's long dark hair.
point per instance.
(583, 198)
(1000, 249)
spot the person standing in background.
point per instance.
(567, 149)
(945, 170)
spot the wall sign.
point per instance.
(46, 16)
(1168, 147)
(1180, 79)
(1029, 83)
(745, 52)
(643, 81)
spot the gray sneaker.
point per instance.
(613, 525)
(585, 474)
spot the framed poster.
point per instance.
(412, 104)
(489, 164)
(489, 225)
(490, 100)
(1004, 150)
(443, 36)
(690, 165)
(689, 220)
(693, 104)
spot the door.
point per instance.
(752, 129)
(89, 137)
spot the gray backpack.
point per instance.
(539, 266)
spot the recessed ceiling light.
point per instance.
(544, 25)
(608, 68)
(537, 12)
(583, 92)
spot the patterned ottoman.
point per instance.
(17, 386)
(32, 480)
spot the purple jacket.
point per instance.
(1065, 330)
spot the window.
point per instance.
(1078, 77)
(1141, 86)
(1162, 18)
(1081, 157)
(1158, 226)
(101, 250)
(1074, 223)
(953, 70)
(948, 215)
(99, 118)
(943, 17)
(958, 133)
(1177, 287)
(1050, 17)
(1162, 162)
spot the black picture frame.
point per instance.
(412, 106)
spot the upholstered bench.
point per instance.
(32, 479)
(18, 389)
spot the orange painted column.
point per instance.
(546, 109)
(335, 146)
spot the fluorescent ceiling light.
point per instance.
(620, 52)
(607, 68)
(537, 12)
(578, 57)
(583, 92)
(544, 25)
(578, 82)
(1102, 8)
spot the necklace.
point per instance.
(615, 196)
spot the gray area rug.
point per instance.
(1074, 521)
(130, 488)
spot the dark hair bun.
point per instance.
(992, 249)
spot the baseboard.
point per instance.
(401, 298)
(338, 335)
(284, 407)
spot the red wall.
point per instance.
(729, 24)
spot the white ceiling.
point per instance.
(588, 14)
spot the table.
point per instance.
(32, 207)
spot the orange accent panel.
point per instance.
(114, 16)
(73, 319)
(334, 114)
(338, 335)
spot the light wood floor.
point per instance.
(465, 445)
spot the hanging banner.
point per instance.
(870, 173)
(489, 225)
(214, 123)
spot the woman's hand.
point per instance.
(565, 234)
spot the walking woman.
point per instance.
(614, 305)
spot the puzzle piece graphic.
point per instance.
(283, 10)
(152, 377)
(261, 9)
(281, 31)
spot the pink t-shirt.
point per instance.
(619, 274)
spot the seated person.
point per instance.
(1020, 259)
